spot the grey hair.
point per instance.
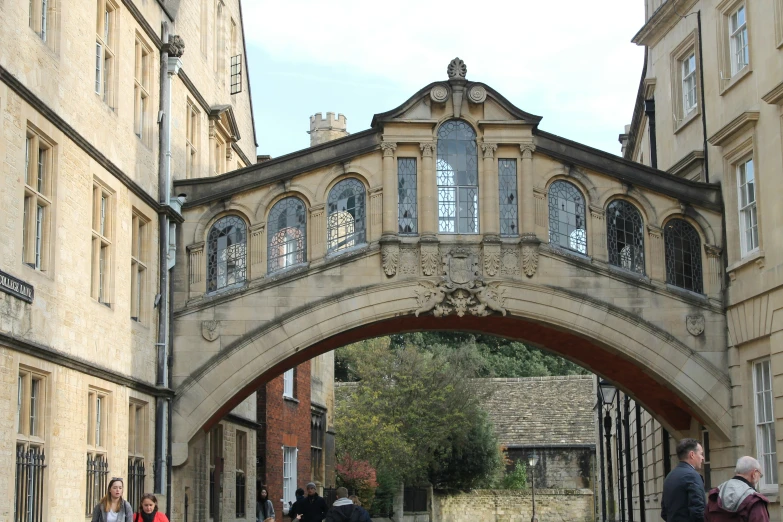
(746, 465)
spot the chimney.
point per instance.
(326, 129)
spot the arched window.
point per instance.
(625, 236)
(567, 217)
(286, 234)
(226, 253)
(346, 223)
(683, 255)
(458, 205)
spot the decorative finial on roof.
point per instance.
(456, 69)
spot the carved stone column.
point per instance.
(712, 279)
(427, 185)
(488, 190)
(597, 230)
(212, 142)
(657, 257)
(389, 190)
(527, 224)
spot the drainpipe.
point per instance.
(703, 106)
(649, 110)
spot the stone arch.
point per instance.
(634, 197)
(695, 218)
(334, 177)
(215, 212)
(578, 178)
(467, 118)
(279, 192)
(667, 377)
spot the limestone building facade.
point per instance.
(709, 109)
(93, 93)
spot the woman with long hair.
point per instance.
(112, 507)
(148, 510)
(264, 508)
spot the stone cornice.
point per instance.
(694, 157)
(734, 127)
(662, 21)
(775, 96)
(136, 14)
(80, 365)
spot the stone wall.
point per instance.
(567, 467)
(513, 506)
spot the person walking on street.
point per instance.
(737, 498)
(112, 507)
(344, 510)
(264, 508)
(298, 505)
(311, 508)
(148, 510)
(683, 489)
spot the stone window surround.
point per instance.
(726, 79)
(192, 138)
(139, 266)
(98, 426)
(102, 243)
(108, 50)
(142, 87)
(43, 20)
(138, 444)
(38, 258)
(689, 45)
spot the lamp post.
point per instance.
(607, 391)
(533, 460)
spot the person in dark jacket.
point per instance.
(737, 498)
(311, 508)
(298, 505)
(683, 489)
(344, 510)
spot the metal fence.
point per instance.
(28, 494)
(97, 473)
(241, 495)
(136, 476)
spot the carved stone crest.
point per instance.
(695, 324)
(390, 257)
(210, 330)
(460, 266)
(510, 262)
(529, 259)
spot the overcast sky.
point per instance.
(570, 61)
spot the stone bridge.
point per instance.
(453, 211)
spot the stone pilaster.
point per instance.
(597, 234)
(657, 257)
(427, 185)
(390, 225)
(527, 213)
(317, 232)
(488, 192)
(257, 250)
(712, 277)
(196, 269)
(376, 212)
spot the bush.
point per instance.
(516, 478)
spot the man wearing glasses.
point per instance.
(737, 498)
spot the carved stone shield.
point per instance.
(695, 324)
(461, 267)
(210, 330)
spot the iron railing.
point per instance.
(136, 476)
(241, 495)
(97, 473)
(29, 491)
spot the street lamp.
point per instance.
(607, 391)
(533, 460)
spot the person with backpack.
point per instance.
(344, 510)
(737, 498)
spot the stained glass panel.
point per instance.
(286, 234)
(683, 255)
(406, 196)
(625, 236)
(567, 217)
(457, 177)
(226, 253)
(507, 189)
(346, 221)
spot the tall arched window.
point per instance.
(625, 236)
(346, 222)
(567, 217)
(458, 205)
(683, 255)
(286, 234)
(226, 253)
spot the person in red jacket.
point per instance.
(148, 510)
(737, 498)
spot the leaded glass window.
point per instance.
(625, 236)
(346, 223)
(683, 255)
(507, 188)
(458, 205)
(567, 217)
(286, 234)
(406, 196)
(226, 253)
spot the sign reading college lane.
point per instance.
(16, 287)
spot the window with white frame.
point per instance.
(688, 66)
(289, 474)
(288, 383)
(29, 491)
(748, 218)
(192, 119)
(97, 447)
(765, 423)
(105, 50)
(102, 226)
(141, 91)
(39, 162)
(738, 39)
(139, 226)
(137, 442)
(40, 14)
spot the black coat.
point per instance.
(347, 513)
(312, 509)
(683, 495)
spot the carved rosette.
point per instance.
(429, 259)
(439, 93)
(530, 259)
(388, 149)
(390, 258)
(477, 94)
(695, 324)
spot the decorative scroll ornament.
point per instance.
(439, 93)
(461, 290)
(457, 70)
(695, 324)
(491, 263)
(210, 330)
(477, 94)
(390, 257)
(529, 259)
